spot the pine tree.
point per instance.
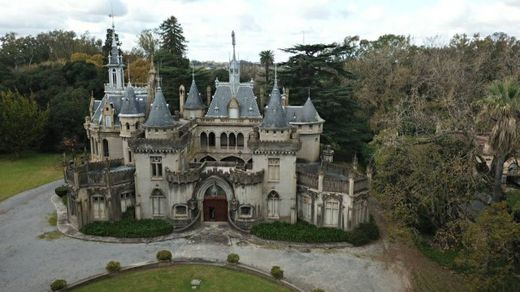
(172, 38)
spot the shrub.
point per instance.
(318, 290)
(164, 255)
(277, 272)
(58, 284)
(233, 258)
(129, 214)
(61, 191)
(113, 266)
(129, 228)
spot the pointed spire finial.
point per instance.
(233, 42)
(308, 92)
(129, 82)
(275, 76)
(192, 72)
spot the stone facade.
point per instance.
(222, 160)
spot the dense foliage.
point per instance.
(129, 228)
(58, 284)
(277, 272)
(113, 266)
(308, 233)
(233, 258)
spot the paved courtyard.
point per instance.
(28, 263)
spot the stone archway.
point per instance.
(214, 196)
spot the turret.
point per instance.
(234, 67)
(130, 119)
(274, 126)
(194, 107)
(160, 122)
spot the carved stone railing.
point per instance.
(183, 177)
(242, 177)
(334, 185)
(143, 145)
(308, 180)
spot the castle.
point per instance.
(216, 161)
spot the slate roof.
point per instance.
(116, 99)
(129, 104)
(160, 116)
(274, 114)
(194, 101)
(245, 97)
(303, 114)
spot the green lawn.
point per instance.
(178, 278)
(27, 172)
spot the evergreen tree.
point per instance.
(172, 38)
(320, 68)
(108, 44)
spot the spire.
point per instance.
(233, 43)
(160, 116)
(129, 107)
(194, 101)
(274, 114)
(275, 76)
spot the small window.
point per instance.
(129, 156)
(156, 130)
(127, 126)
(98, 207)
(156, 164)
(180, 211)
(246, 212)
(273, 169)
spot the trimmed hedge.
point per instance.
(58, 284)
(129, 228)
(308, 233)
(164, 255)
(233, 258)
(113, 266)
(277, 272)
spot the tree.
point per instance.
(21, 123)
(108, 44)
(266, 59)
(172, 38)
(320, 68)
(500, 110)
(148, 42)
(492, 250)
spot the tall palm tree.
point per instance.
(266, 59)
(501, 111)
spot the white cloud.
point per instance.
(261, 25)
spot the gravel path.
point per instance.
(28, 263)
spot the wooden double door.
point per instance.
(215, 208)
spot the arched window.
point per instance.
(240, 140)
(306, 205)
(211, 139)
(223, 140)
(127, 126)
(158, 202)
(331, 213)
(203, 140)
(232, 140)
(105, 148)
(136, 125)
(273, 201)
(207, 158)
(98, 207)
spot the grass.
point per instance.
(178, 278)
(27, 172)
(445, 258)
(53, 219)
(51, 235)
(513, 199)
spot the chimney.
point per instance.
(208, 94)
(286, 93)
(182, 93)
(327, 155)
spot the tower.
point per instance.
(234, 67)
(115, 65)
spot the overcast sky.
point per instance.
(261, 25)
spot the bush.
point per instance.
(233, 258)
(318, 290)
(277, 272)
(164, 255)
(129, 228)
(58, 284)
(129, 214)
(305, 232)
(113, 266)
(61, 191)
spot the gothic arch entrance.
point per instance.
(213, 196)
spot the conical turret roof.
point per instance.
(129, 106)
(309, 113)
(274, 114)
(160, 116)
(194, 100)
